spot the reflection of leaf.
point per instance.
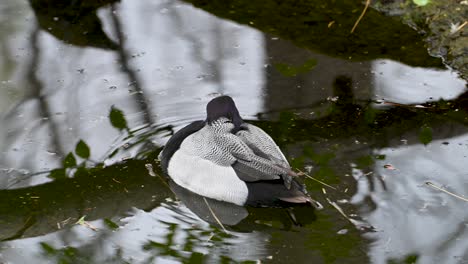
(369, 115)
(82, 149)
(69, 161)
(365, 161)
(117, 118)
(81, 172)
(198, 257)
(380, 157)
(57, 174)
(425, 135)
(291, 71)
(410, 259)
(48, 249)
(109, 223)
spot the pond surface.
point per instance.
(88, 96)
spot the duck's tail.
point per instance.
(274, 193)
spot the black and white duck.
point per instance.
(227, 159)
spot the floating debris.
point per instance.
(360, 225)
(361, 16)
(389, 167)
(301, 173)
(454, 28)
(342, 231)
(149, 167)
(430, 184)
(215, 217)
(82, 222)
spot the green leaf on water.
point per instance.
(82, 150)
(57, 174)
(117, 118)
(291, 71)
(69, 161)
(421, 2)
(425, 135)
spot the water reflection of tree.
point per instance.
(215, 65)
(139, 94)
(36, 93)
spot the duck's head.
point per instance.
(222, 111)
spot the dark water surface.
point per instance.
(89, 95)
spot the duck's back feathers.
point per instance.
(262, 144)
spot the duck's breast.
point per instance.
(204, 177)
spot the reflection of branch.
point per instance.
(127, 69)
(197, 46)
(217, 64)
(37, 92)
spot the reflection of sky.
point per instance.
(399, 83)
(137, 230)
(412, 218)
(172, 53)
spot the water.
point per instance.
(376, 130)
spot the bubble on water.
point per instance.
(56, 19)
(214, 94)
(342, 231)
(52, 153)
(179, 67)
(113, 87)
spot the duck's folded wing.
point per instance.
(262, 144)
(251, 168)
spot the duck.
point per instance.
(227, 159)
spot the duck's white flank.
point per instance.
(206, 178)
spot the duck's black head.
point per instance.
(223, 106)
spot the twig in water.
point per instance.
(310, 177)
(361, 16)
(82, 222)
(215, 217)
(361, 225)
(459, 27)
(430, 184)
(339, 210)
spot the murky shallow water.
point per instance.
(366, 128)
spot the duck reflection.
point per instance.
(207, 209)
(243, 219)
